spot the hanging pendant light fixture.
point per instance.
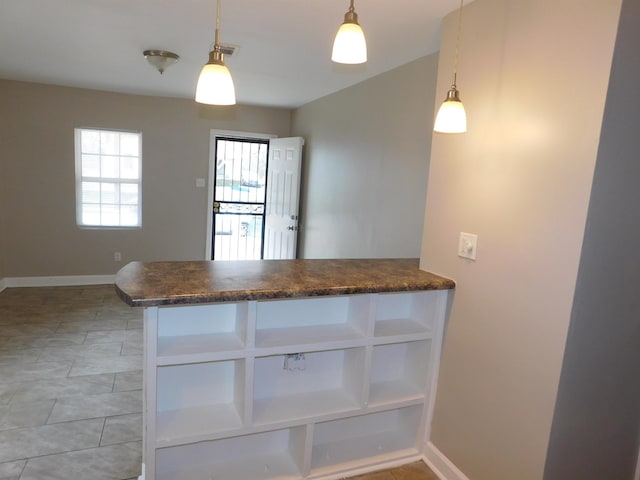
(349, 45)
(215, 85)
(452, 117)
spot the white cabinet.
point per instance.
(305, 388)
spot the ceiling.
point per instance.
(283, 46)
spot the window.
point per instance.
(108, 178)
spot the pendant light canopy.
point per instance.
(215, 85)
(452, 117)
(350, 45)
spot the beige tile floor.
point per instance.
(71, 387)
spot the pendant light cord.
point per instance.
(455, 63)
(217, 40)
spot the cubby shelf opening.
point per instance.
(366, 439)
(325, 382)
(312, 320)
(198, 398)
(201, 329)
(404, 313)
(262, 456)
(398, 372)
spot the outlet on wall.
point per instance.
(117, 257)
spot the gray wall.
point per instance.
(533, 76)
(39, 234)
(596, 425)
(366, 165)
(365, 172)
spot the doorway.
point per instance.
(254, 185)
(239, 198)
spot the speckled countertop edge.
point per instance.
(145, 284)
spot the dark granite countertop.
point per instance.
(147, 284)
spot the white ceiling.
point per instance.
(283, 55)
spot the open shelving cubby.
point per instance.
(201, 329)
(376, 437)
(324, 382)
(276, 454)
(399, 372)
(404, 314)
(312, 320)
(199, 399)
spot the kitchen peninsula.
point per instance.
(287, 369)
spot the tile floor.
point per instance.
(71, 387)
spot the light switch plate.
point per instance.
(200, 182)
(468, 245)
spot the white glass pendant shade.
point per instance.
(215, 85)
(350, 45)
(451, 117)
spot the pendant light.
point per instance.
(452, 117)
(350, 45)
(215, 85)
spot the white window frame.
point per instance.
(119, 180)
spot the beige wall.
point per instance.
(40, 236)
(533, 76)
(366, 163)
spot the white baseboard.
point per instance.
(61, 281)
(441, 465)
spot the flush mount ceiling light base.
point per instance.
(160, 59)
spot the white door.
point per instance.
(283, 191)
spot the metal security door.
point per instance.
(283, 191)
(239, 198)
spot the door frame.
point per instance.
(212, 173)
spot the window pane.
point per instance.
(128, 216)
(113, 157)
(110, 167)
(109, 193)
(110, 215)
(90, 192)
(90, 141)
(109, 143)
(129, 194)
(129, 144)
(129, 168)
(90, 214)
(90, 166)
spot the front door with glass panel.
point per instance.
(239, 198)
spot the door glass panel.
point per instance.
(238, 237)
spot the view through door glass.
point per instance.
(239, 199)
